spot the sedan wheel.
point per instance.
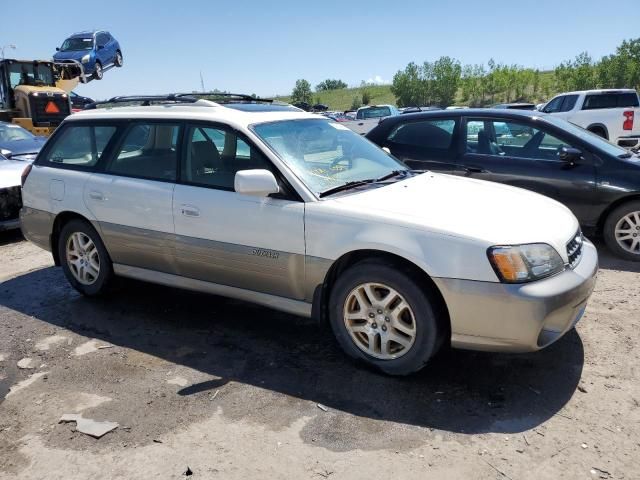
(628, 232)
(83, 258)
(380, 321)
(118, 60)
(97, 72)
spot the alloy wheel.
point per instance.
(98, 71)
(83, 258)
(627, 232)
(380, 321)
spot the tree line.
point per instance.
(445, 81)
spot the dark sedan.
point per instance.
(598, 181)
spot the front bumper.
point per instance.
(518, 318)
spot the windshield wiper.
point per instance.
(393, 173)
(346, 186)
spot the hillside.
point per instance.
(342, 99)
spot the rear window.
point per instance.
(610, 100)
(374, 112)
(80, 146)
(432, 134)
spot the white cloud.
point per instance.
(377, 80)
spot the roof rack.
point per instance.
(146, 100)
(225, 96)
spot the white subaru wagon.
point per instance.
(266, 203)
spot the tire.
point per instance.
(97, 71)
(118, 61)
(626, 220)
(93, 284)
(368, 344)
(599, 131)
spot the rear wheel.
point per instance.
(97, 71)
(379, 315)
(84, 259)
(118, 61)
(622, 231)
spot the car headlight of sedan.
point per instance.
(86, 58)
(525, 263)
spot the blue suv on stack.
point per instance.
(96, 51)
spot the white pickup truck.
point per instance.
(612, 114)
(369, 116)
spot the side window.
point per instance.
(101, 39)
(81, 146)
(434, 134)
(554, 105)
(148, 150)
(628, 100)
(213, 156)
(569, 103)
(594, 102)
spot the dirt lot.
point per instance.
(231, 390)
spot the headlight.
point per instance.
(525, 263)
(86, 58)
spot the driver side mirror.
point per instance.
(569, 154)
(6, 153)
(57, 49)
(258, 182)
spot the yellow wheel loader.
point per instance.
(35, 94)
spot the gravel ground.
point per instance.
(230, 390)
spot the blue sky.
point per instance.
(263, 47)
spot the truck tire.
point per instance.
(382, 317)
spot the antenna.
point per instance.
(201, 82)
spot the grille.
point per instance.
(574, 249)
(10, 203)
(39, 105)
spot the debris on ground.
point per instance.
(323, 408)
(25, 383)
(86, 347)
(188, 472)
(180, 381)
(88, 426)
(582, 389)
(48, 342)
(26, 363)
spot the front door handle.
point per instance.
(473, 169)
(189, 211)
(95, 195)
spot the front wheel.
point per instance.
(379, 315)
(622, 231)
(84, 258)
(97, 71)
(118, 61)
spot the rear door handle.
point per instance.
(95, 195)
(189, 211)
(472, 169)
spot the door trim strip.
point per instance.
(288, 305)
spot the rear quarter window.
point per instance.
(79, 146)
(610, 100)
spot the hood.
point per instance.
(71, 55)
(474, 209)
(26, 146)
(11, 173)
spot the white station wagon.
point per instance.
(266, 203)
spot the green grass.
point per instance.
(342, 99)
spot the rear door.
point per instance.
(132, 196)
(425, 144)
(521, 154)
(223, 237)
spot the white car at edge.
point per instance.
(265, 203)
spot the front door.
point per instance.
(254, 243)
(132, 197)
(522, 155)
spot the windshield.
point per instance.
(375, 112)
(325, 154)
(10, 133)
(591, 138)
(28, 73)
(77, 44)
